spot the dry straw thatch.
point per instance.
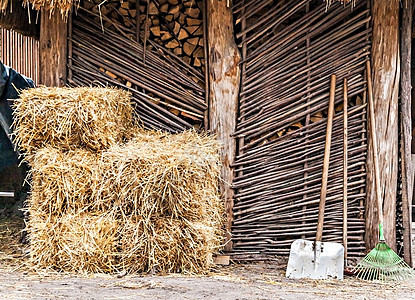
(70, 118)
(64, 6)
(148, 204)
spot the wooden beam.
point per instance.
(224, 80)
(385, 74)
(53, 49)
(405, 123)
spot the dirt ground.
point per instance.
(247, 281)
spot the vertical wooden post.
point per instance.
(385, 74)
(224, 80)
(406, 126)
(52, 48)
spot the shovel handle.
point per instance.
(325, 175)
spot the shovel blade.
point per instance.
(315, 260)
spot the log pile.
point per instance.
(174, 24)
(161, 61)
(288, 58)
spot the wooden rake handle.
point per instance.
(374, 142)
(326, 163)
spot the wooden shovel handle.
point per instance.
(325, 175)
(345, 159)
(373, 139)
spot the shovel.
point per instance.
(319, 260)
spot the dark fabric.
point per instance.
(10, 84)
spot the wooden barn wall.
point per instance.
(289, 51)
(20, 52)
(161, 61)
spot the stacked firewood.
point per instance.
(174, 24)
(167, 84)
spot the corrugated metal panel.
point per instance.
(21, 53)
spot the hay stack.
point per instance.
(146, 201)
(70, 118)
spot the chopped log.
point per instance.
(169, 18)
(172, 44)
(152, 9)
(407, 172)
(192, 29)
(192, 12)
(166, 36)
(199, 53)
(164, 8)
(188, 48)
(199, 31)
(174, 9)
(155, 30)
(183, 34)
(193, 41)
(173, 2)
(177, 51)
(125, 4)
(385, 71)
(197, 62)
(193, 22)
(176, 28)
(224, 79)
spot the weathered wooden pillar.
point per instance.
(385, 74)
(53, 49)
(224, 79)
(406, 126)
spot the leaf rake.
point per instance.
(382, 263)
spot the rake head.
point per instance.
(383, 264)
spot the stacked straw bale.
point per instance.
(149, 203)
(71, 118)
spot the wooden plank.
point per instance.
(53, 49)
(406, 138)
(224, 78)
(223, 260)
(385, 74)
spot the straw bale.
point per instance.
(70, 118)
(63, 181)
(159, 174)
(168, 245)
(82, 243)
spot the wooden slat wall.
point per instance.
(290, 49)
(21, 53)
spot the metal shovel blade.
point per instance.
(315, 260)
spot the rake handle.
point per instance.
(326, 163)
(374, 147)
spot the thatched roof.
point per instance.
(14, 16)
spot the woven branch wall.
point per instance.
(167, 79)
(290, 49)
